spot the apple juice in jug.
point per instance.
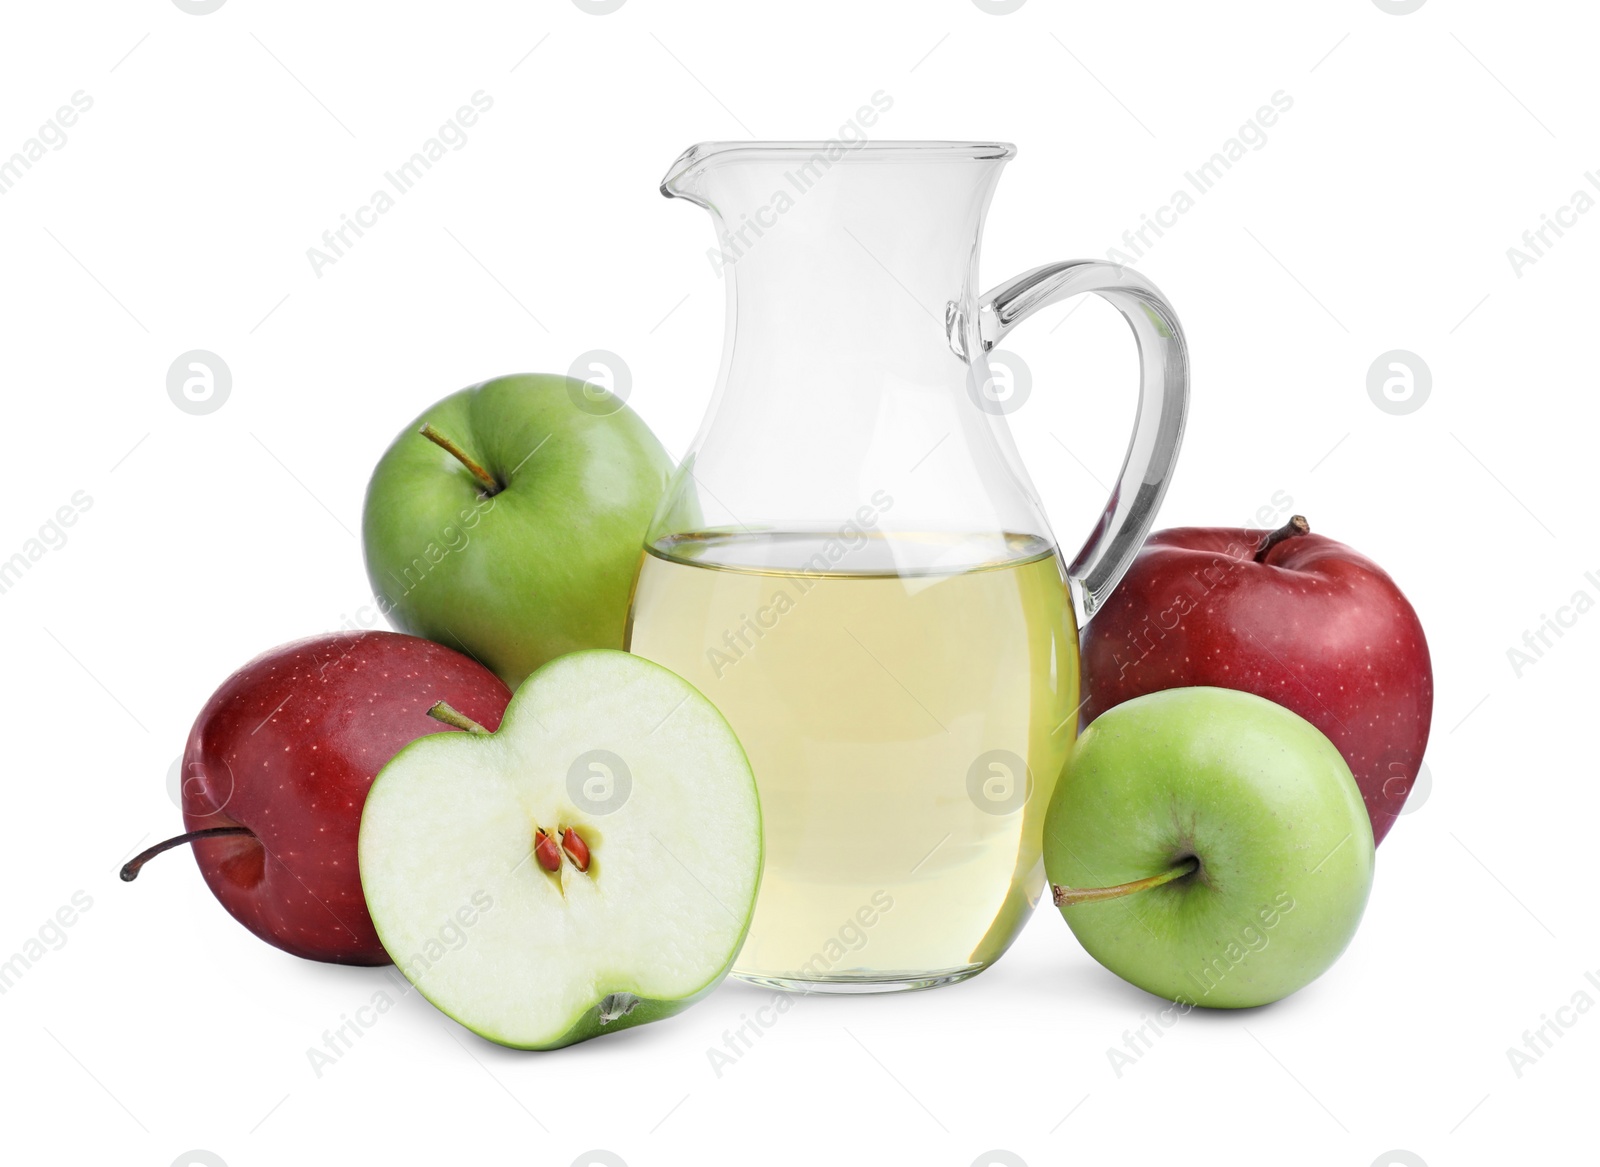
(905, 725)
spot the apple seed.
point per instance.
(577, 850)
(546, 851)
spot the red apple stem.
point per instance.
(1296, 525)
(450, 715)
(491, 486)
(130, 869)
(1066, 897)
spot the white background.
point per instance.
(1377, 216)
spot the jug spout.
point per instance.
(683, 179)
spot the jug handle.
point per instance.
(1163, 406)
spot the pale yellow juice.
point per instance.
(906, 726)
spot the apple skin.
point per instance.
(1315, 627)
(1264, 802)
(288, 746)
(545, 566)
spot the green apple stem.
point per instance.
(450, 715)
(130, 869)
(1066, 897)
(1296, 525)
(491, 487)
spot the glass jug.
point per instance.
(852, 564)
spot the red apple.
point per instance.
(1287, 615)
(277, 769)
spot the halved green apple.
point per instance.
(590, 866)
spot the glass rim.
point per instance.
(886, 150)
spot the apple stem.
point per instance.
(130, 869)
(1066, 897)
(491, 486)
(450, 715)
(1296, 525)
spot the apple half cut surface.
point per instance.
(590, 866)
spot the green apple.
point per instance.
(1209, 846)
(590, 866)
(508, 520)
